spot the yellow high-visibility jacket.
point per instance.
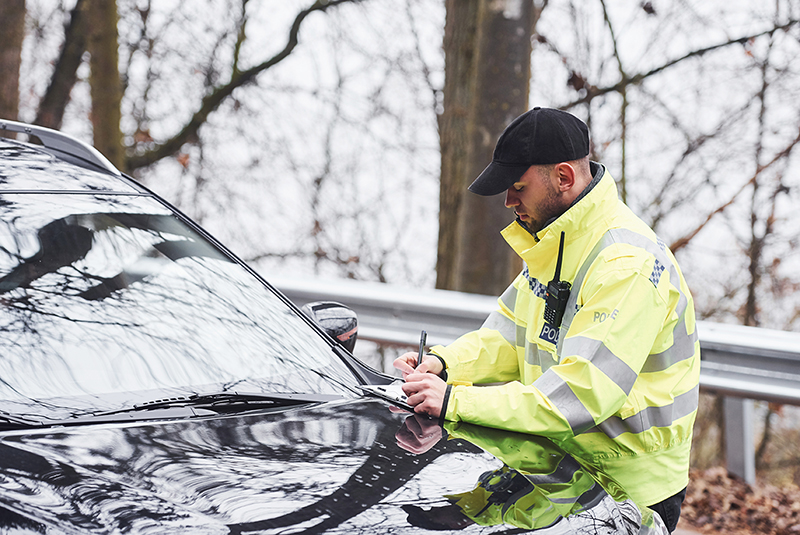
(617, 384)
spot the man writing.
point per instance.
(603, 359)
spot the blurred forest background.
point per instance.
(335, 138)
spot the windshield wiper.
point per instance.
(225, 402)
(176, 407)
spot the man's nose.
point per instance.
(511, 198)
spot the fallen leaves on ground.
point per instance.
(719, 502)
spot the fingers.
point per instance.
(430, 364)
(406, 363)
(425, 393)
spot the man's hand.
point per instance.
(407, 363)
(425, 392)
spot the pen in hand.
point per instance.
(422, 339)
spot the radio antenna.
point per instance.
(560, 256)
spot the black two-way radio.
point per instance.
(557, 293)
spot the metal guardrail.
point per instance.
(395, 315)
(746, 362)
(750, 362)
(741, 363)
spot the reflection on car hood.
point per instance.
(333, 468)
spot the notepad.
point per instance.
(392, 392)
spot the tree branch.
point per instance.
(681, 242)
(54, 102)
(619, 87)
(240, 38)
(238, 79)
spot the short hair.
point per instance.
(581, 166)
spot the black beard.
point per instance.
(524, 225)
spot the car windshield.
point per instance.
(102, 295)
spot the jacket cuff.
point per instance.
(444, 404)
(443, 374)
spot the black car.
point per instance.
(151, 382)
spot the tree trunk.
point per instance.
(487, 73)
(12, 15)
(106, 87)
(54, 101)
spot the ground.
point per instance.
(717, 502)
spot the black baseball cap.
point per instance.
(539, 136)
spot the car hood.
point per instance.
(333, 468)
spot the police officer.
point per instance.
(594, 343)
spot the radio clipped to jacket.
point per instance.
(557, 293)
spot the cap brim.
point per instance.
(497, 178)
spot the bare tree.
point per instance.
(672, 111)
(645, 113)
(487, 72)
(106, 87)
(12, 13)
(51, 108)
(103, 28)
(219, 93)
(762, 225)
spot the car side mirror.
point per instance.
(340, 322)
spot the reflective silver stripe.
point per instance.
(603, 359)
(682, 348)
(505, 326)
(515, 335)
(532, 355)
(537, 356)
(509, 297)
(665, 416)
(521, 335)
(562, 396)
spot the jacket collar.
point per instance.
(591, 207)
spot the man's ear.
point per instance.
(566, 176)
